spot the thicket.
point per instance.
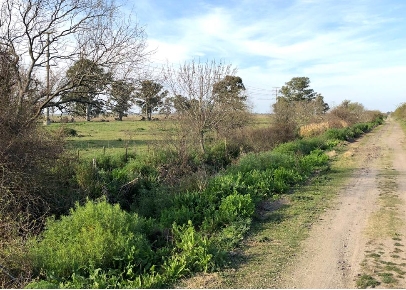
(159, 234)
(400, 112)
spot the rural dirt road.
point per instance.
(358, 241)
(362, 237)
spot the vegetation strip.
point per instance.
(276, 236)
(196, 231)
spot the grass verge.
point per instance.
(279, 229)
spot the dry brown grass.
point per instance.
(315, 129)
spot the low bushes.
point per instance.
(95, 235)
(164, 234)
(400, 112)
(355, 131)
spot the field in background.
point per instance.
(108, 136)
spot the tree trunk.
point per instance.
(88, 112)
(202, 142)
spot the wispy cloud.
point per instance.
(350, 49)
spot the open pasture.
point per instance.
(95, 137)
(132, 134)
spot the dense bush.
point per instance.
(400, 112)
(302, 146)
(262, 139)
(355, 131)
(262, 161)
(96, 235)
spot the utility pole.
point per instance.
(48, 120)
(276, 92)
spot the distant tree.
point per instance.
(232, 101)
(321, 107)
(150, 97)
(166, 108)
(298, 103)
(297, 89)
(350, 112)
(207, 95)
(88, 81)
(121, 98)
(229, 93)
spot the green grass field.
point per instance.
(111, 137)
(114, 137)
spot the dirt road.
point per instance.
(361, 240)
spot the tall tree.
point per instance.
(297, 89)
(121, 98)
(232, 101)
(230, 90)
(298, 103)
(150, 97)
(204, 96)
(60, 32)
(88, 81)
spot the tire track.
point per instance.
(338, 244)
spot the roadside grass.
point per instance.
(276, 236)
(365, 281)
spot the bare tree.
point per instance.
(201, 107)
(37, 33)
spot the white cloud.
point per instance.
(349, 49)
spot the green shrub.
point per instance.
(184, 207)
(191, 253)
(87, 178)
(234, 207)
(262, 161)
(68, 132)
(336, 133)
(222, 186)
(180, 214)
(316, 160)
(259, 183)
(301, 146)
(283, 178)
(96, 235)
(229, 237)
(221, 155)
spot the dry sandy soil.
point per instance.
(362, 238)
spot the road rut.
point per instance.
(361, 236)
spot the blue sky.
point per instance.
(353, 50)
